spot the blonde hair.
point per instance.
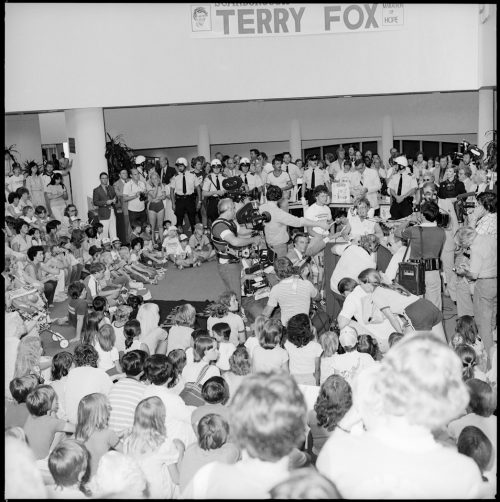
(258, 325)
(28, 356)
(93, 415)
(464, 237)
(106, 337)
(148, 431)
(270, 335)
(329, 341)
(421, 378)
(149, 317)
(119, 474)
(185, 315)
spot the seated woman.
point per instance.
(358, 222)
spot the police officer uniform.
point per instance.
(212, 183)
(185, 185)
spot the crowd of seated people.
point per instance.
(254, 397)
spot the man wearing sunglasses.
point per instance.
(252, 183)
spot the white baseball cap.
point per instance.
(183, 237)
(348, 336)
(401, 160)
(244, 160)
(216, 162)
(106, 240)
(181, 160)
(140, 159)
(75, 218)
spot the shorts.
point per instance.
(156, 207)
(423, 315)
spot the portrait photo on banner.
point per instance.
(200, 18)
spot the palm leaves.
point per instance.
(10, 151)
(118, 155)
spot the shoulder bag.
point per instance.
(191, 393)
(411, 274)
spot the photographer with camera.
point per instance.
(427, 240)
(135, 193)
(275, 231)
(228, 240)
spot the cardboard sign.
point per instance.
(341, 193)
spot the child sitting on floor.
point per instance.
(151, 256)
(135, 255)
(184, 256)
(221, 331)
(171, 244)
(200, 244)
(69, 464)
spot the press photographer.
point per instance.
(228, 240)
(276, 231)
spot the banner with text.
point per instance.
(218, 20)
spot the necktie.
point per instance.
(313, 179)
(184, 188)
(400, 185)
(361, 181)
(217, 183)
(286, 168)
(246, 181)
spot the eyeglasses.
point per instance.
(244, 164)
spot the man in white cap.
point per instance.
(401, 188)
(185, 189)
(253, 184)
(135, 194)
(104, 198)
(140, 162)
(212, 190)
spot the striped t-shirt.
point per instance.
(124, 397)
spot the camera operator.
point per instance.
(275, 231)
(134, 192)
(227, 238)
(252, 183)
(427, 240)
(484, 216)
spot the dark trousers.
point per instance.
(401, 209)
(212, 212)
(185, 204)
(49, 288)
(137, 218)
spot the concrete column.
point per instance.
(295, 140)
(86, 126)
(204, 142)
(387, 139)
(485, 120)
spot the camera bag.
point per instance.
(411, 274)
(191, 393)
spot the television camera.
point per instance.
(473, 150)
(250, 214)
(234, 188)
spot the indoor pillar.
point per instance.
(204, 142)
(295, 140)
(485, 120)
(86, 126)
(387, 139)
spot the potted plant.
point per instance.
(118, 155)
(10, 158)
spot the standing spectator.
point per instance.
(185, 187)
(338, 165)
(58, 195)
(313, 177)
(122, 223)
(401, 188)
(213, 190)
(304, 351)
(157, 193)
(367, 184)
(105, 199)
(483, 270)
(281, 179)
(484, 217)
(34, 183)
(134, 194)
(450, 186)
(319, 211)
(126, 394)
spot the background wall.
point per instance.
(144, 54)
(24, 132)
